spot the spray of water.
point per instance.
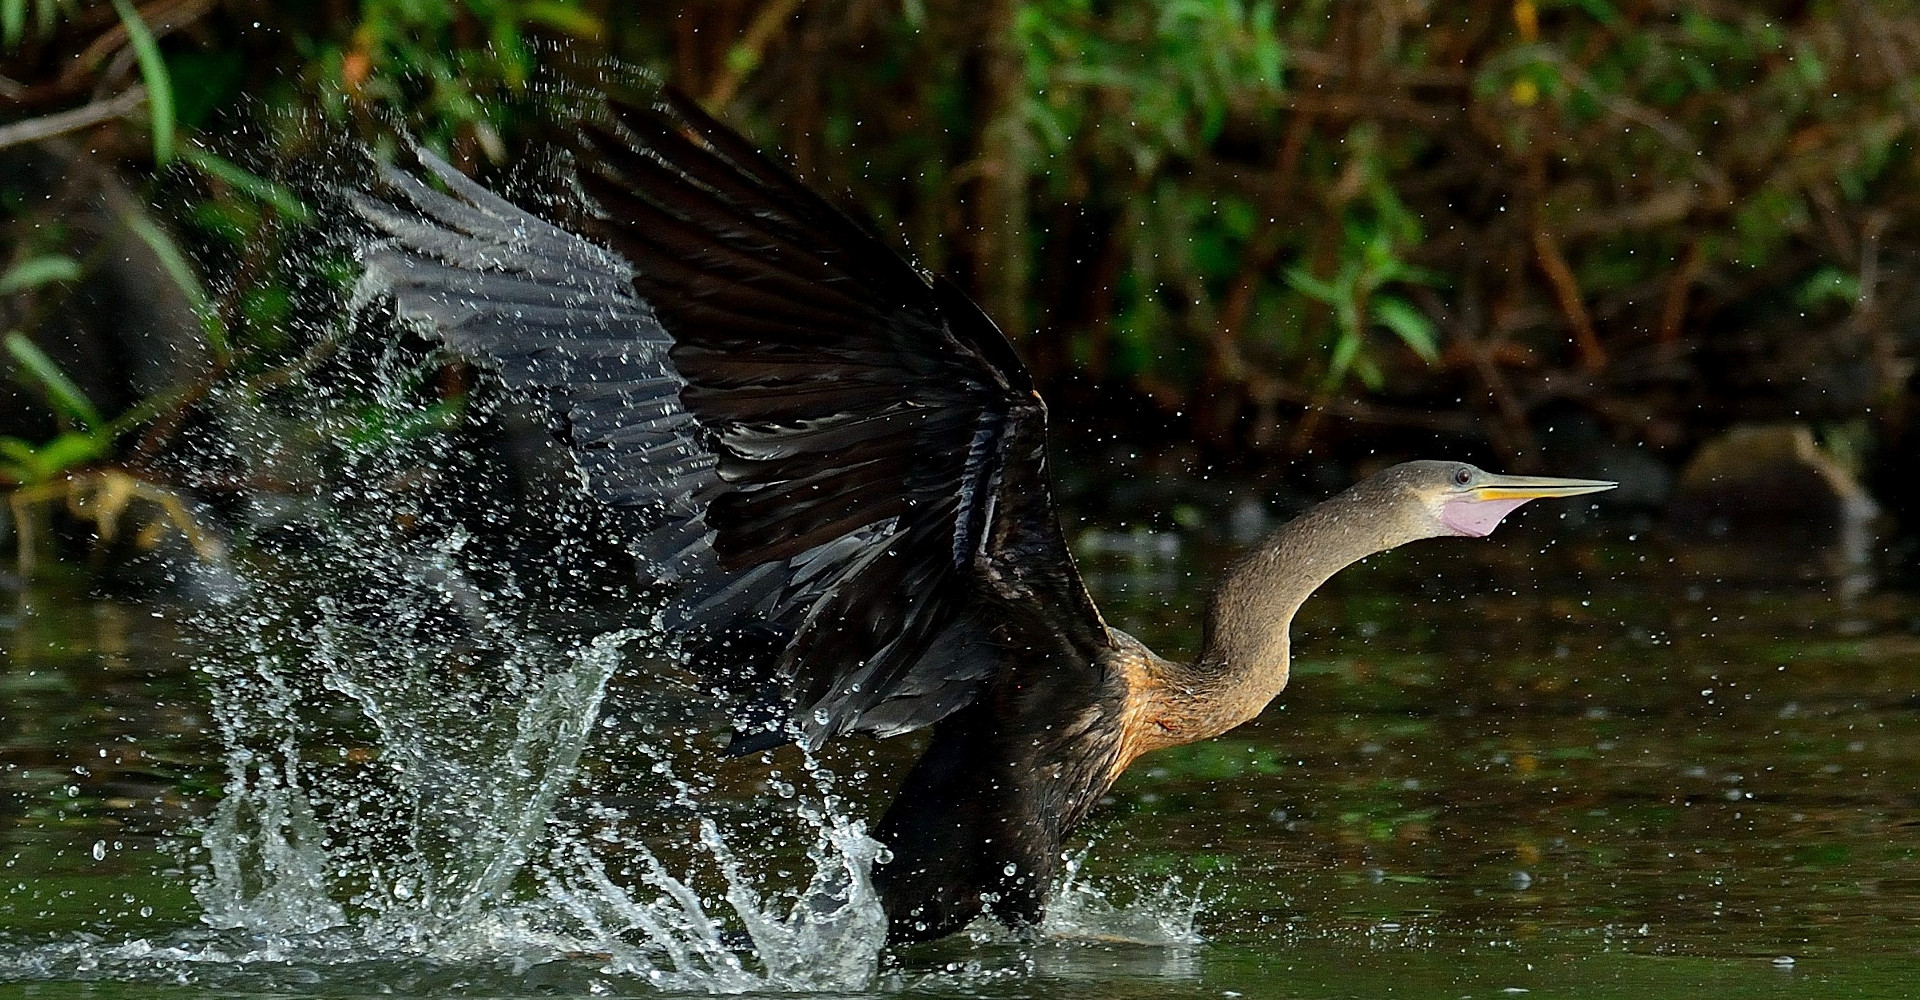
(1159, 913)
(413, 689)
(446, 745)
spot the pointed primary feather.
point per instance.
(843, 460)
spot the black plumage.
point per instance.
(840, 459)
(838, 464)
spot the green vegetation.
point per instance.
(1281, 228)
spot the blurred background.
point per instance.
(253, 540)
(1668, 243)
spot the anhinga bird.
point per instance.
(842, 468)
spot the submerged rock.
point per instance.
(1768, 483)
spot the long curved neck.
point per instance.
(1244, 657)
(1248, 616)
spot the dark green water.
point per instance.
(1596, 767)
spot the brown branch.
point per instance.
(1261, 255)
(1513, 436)
(1650, 212)
(759, 35)
(60, 123)
(1673, 305)
(1896, 65)
(1382, 107)
(1268, 391)
(999, 203)
(1833, 224)
(161, 19)
(1566, 289)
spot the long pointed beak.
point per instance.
(1535, 487)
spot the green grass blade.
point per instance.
(61, 392)
(564, 18)
(13, 22)
(1409, 324)
(182, 273)
(153, 70)
(36, 271)
(283, 200)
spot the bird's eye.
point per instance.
(1463, 477)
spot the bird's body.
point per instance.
(841, 467)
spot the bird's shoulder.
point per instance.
(1155, 698)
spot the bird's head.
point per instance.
(1454, 498)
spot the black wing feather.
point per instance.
(843, 462)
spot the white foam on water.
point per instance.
(1163, 913)
(462, 855)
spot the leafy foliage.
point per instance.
(1278, 226)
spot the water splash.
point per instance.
(457, 847)
(1163, 913)
(440, 746)
(487, 864)
(447, 754)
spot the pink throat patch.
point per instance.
(1475, 517)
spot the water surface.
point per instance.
(1570, 762)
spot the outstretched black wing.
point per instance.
(843, 461)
